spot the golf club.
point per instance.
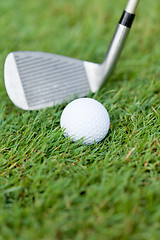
(36, 80)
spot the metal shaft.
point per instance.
(119, 38)
(132, 6)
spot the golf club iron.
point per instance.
(36, 80)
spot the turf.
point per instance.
(51, 188)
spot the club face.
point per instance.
(36, 80)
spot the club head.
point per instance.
(35, 80)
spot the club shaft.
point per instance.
(132, 6)
(119, 38)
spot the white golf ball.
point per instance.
(85, 118)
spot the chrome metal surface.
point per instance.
(43, 79)
(99, 73)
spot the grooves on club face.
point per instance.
(36, 80)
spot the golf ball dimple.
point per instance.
(85, 118)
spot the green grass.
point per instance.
(53, 189)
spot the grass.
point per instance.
(51, 188)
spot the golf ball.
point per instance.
(85, 118)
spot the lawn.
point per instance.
(52, 188)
